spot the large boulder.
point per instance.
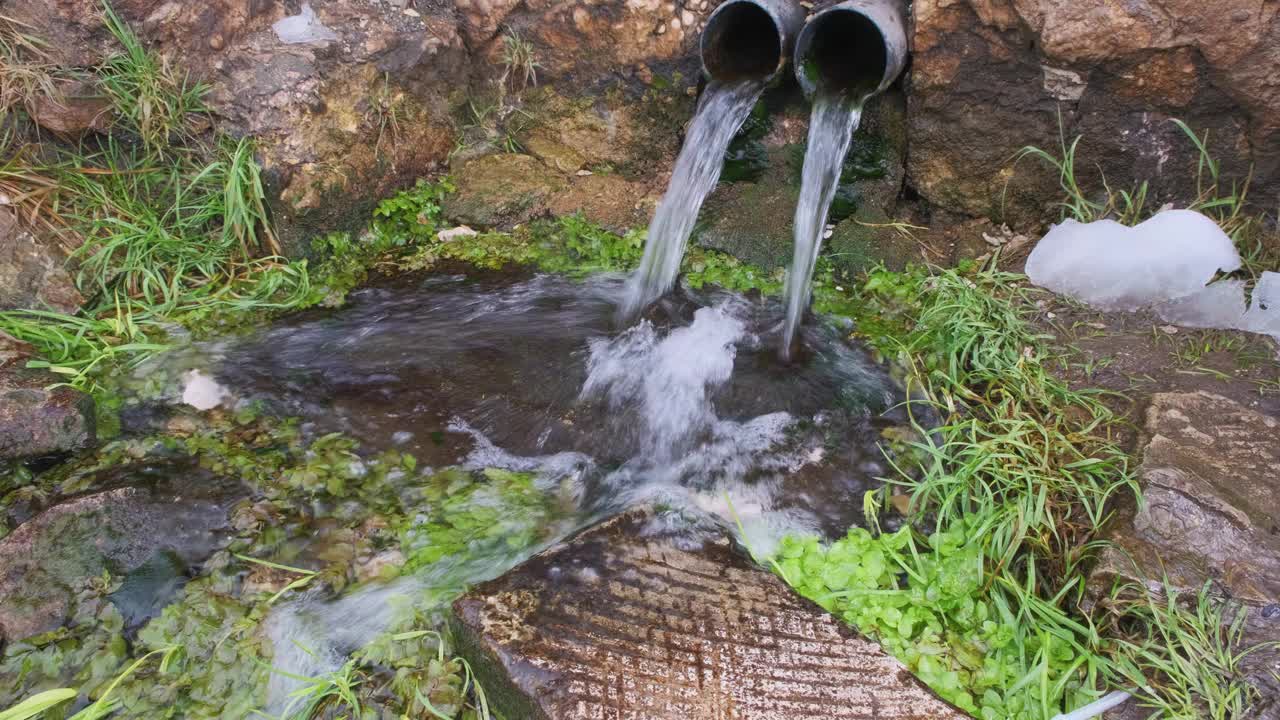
(991, 76)
(624, 621)
(1211, 483)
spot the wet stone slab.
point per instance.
(628, 621)
(1211, 481)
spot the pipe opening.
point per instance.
(742, 41)
(843, 51)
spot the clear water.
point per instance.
(831, 126)
(720, 113)
(689, 410)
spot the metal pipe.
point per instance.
(856, 47)
(750, 39)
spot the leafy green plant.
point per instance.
(411, 216)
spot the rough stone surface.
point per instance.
(35, 420)
(620, 622)
(502, 190)
(340, 123)
(77, 108)
(1211, 480)
(32, 270)
(990, 76)
(44, 561)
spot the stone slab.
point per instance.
(1210, 475)
(626, 621)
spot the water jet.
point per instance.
(744, 48)
(845, 54)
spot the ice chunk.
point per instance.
(1114, 267)
(304, 27)
(1219, 305)
(1264, 313)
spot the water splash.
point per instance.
(831, 127)
(667, 379)
(720, 113)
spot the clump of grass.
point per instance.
(519, 63)
(75, 347)
(26, 72)
(1226, 201)
(156, 99)
(497, 124)
(1182, 655)
(387, 114)
(1014, 472)
(171, 227)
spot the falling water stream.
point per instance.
(831, 126)
(721, 111)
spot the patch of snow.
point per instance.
(304, 27)
(1117, 268)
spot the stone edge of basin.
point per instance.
(607, 568)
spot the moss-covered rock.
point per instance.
(502, 191)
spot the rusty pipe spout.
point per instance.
(854, 48)
(750, 39)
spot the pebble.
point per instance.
(1169, 330)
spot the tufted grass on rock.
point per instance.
(1221, 198)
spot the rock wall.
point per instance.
(342, 122)
(990, 76)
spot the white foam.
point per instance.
(668, 379)
(1117, 268)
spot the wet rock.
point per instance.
(34, 419)
(620, 622)
(139, 531)
(611, 201)
(75, 109)
(502, 190)
(32, 269)
(990, 76)
(1211, 481)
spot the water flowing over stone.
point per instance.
(688, 411)
(720, 113)
(626, 621)
(831, 129)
